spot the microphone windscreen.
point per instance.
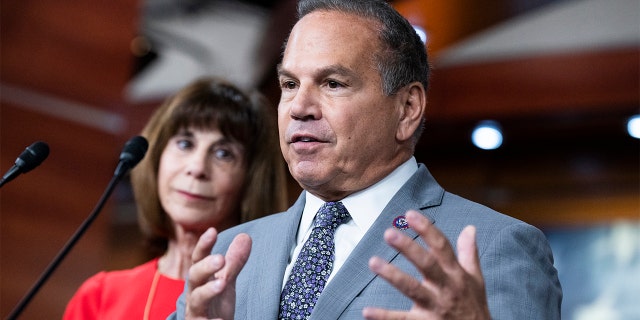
(134, 150)
(32, 156)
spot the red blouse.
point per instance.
(125, 294)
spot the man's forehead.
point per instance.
(327, 24)
(333, 40)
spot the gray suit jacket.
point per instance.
(516, 259)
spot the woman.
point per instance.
(213, 160)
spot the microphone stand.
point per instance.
(121, 170)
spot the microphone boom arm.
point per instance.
(133, 151)
(65, 250)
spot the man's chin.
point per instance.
(310, 180)
(308, 172)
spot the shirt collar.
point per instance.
(366, 205)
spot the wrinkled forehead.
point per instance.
(331, 38)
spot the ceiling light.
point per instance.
(633, 126)
(487, 135)
(421, 33)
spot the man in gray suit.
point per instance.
(354, 78)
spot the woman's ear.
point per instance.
(413, 98)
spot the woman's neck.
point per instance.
(176, 261)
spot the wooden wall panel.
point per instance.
(40, 210)
(76, 55)
(563, 83)
(76, 49)
(565, 162)
(449, 21)
(545, 183)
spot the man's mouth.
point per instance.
(303, 138)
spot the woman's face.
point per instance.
(200, 179)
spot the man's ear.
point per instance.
(413, 98)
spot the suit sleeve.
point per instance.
(520, 278)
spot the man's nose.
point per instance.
(305, 105)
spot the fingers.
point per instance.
(430, 261)
(468, 253)
(405, 283)
(204, 245)
(450, 286)
(236, 257)
(204, 264)
(370, 313)
(439, 245)
(200, 290)
(212, 279)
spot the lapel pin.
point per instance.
(400, 222)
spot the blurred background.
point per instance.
(556, 83)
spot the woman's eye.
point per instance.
(184, 144)
(223, 154)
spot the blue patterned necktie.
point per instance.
(313, 266)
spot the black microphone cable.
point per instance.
(133, 151)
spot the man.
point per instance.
(353, 77)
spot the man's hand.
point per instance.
(451, 288)
(211, 290)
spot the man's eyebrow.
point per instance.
(335, 69)
(282, 72)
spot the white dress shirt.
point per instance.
(364, 207)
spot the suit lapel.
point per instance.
(270, 254)
(419, 192)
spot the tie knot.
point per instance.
(332, 214)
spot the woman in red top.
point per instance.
(213, 160)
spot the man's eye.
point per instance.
(288, 85)
(333, 84)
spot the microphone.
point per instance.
(132, 152)
(30, 158)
